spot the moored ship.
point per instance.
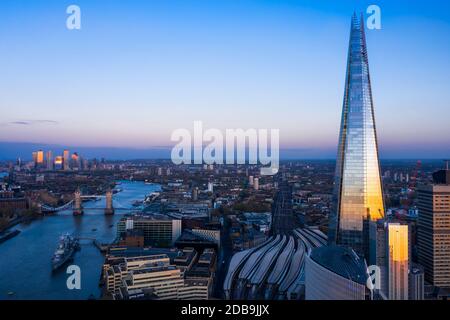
(65, 251)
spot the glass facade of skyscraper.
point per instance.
(358, 191)
(398, 259)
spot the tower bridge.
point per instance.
(77, 204)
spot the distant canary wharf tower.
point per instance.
(358, 194)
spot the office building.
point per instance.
(195, 289)
(433, 234)
(50, 164)
(158, 230)
(185, 260)
(59, 162)
(147, 272)
(66, 160)
(378, 255)
(34, 155)
(40, 158)
(390, 252)
(75, 161)
(132, 238)
(153, 277)
(416, 285)
(358, 193)
(398, 261)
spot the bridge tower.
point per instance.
(77, 206)
(109, 209)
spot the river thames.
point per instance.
(25, 267)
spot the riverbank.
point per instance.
(4, 236)
(36, 243)
(18, 221)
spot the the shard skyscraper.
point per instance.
(358, 193)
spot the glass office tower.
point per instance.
(358, 194)
(398, 261)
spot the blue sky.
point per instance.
(137, 70)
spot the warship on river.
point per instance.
(65, 251)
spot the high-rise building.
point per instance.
(50, 164)
(416, 282)
(40, 158)
(18, 165)
(75, 161)
(59, 161)
(34, 158)
(66, 160)
(433, 234)
(256, 183)
(85, 164)
(378, 254)
(398, 261)
(358, 194)
(390, 252)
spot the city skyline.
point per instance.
(259, 151)
(256, 151)
(11, 151)
(130, 94)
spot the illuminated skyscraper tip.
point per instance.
(358, 194)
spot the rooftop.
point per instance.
(147, 217)
(118, 252)
(342, 261)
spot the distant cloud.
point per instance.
(30, 122)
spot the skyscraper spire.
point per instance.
(358, 193)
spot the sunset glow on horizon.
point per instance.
(254, 64)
